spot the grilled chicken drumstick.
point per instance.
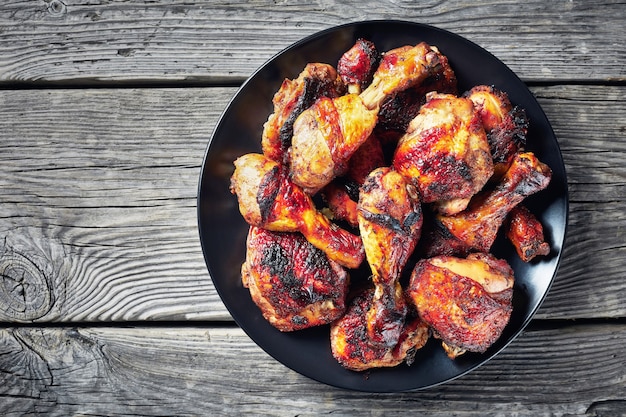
(390, 220)
(478, 226)
(268, 199)
(327, 134)
(466, 302)
(293, 283)
(357, 65)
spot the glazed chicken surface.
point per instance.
(400, 69)
(293, 283)
(390, 220)
(328, 133)
(325, 137)
(268, 199)
(477, 227)
(397, 110)
(294, 96)
(526, 234)
(506, 126)
(466, 302)
(342, 194)
(352, 347)
(445, 153)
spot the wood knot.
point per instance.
(25, 293)
(56, 7)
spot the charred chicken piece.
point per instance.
(526, 234)
(357, 65)
(397, 110)
(294, 96)
(327, 134)
(400, 69)
(294, 284)
(390, 220)
(353, 349)
(445, 153)
(466, 302)
(325, 137)
(268, 199)
(506, 126)
(478, 226)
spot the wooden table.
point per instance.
(106, 109)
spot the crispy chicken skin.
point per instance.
(325, 137)
(268, 199)
(397, 110)
(506, 125)
(445, 152)
(327, 134)
(294, 96)
(400, 69)
(477, 227)
(354, 350)
(525, 232)
(466, 302)
(390, 220)
(293, 283)
(357, 65)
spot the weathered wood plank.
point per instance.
(219, 371)
(77, 41)
(98, 210)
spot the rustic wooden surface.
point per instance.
(106, 109)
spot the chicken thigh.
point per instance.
(293, 283)
(466, 302)
(445, 152)
(294, 96)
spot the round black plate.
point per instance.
(223, 230)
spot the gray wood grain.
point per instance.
(219, 371)
(76, 42)
(98, 210)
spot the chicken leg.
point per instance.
(390, 220)
(327, 134)
(268, 199)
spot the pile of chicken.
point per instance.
(382, 159)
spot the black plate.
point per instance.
(223, 230)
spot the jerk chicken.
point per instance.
(390, 220)
(466, 302)
(268, 199)
(357, 65)
(342, 194)
(445, 153)
(293, 283)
